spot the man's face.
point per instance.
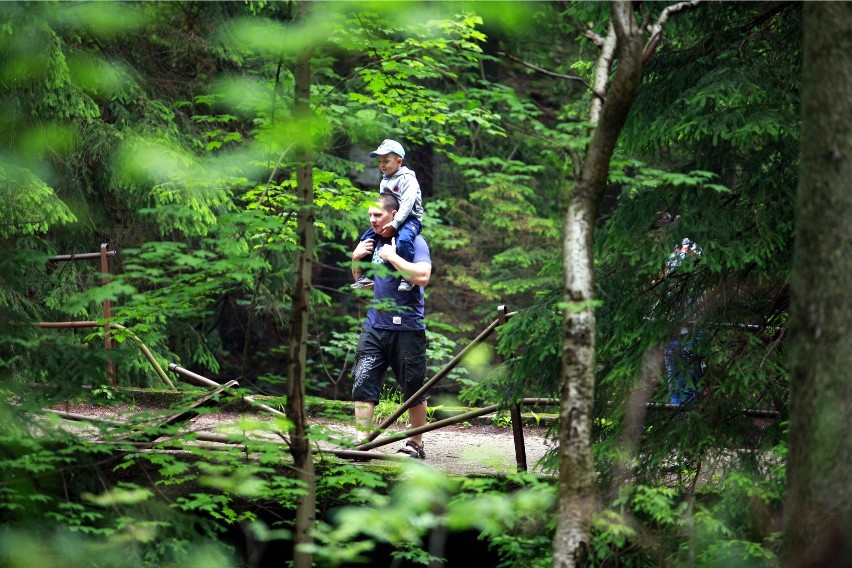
(389, 164)
(380, 217)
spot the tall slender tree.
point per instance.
(818, 527)
(625, 42)
(300, 446)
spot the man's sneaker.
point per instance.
(404, 286)
(362, 282)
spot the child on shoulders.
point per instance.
(401, 182)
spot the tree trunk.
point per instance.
(300, 446)
(576, 468)
(818, 508)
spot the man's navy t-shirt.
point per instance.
(394, 310)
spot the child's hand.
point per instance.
(388, 230)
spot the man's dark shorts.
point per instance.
(403, 351)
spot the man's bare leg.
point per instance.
(364, 415)
(417, 414)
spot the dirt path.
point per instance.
(475, 450)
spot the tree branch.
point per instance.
(602, 75)
(756, 22)
(656, 30)
(594, 38)
(545, 71)
(763, 21)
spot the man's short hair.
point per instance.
(388, 202)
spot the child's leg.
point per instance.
(405, 247)
(405, 238)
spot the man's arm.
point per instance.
(363, 249)
(417, 273)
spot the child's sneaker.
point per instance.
(404, 286)
(362, 282)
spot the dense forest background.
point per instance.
(167, 131)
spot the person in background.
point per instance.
(682, 357)
(394, 332)
(399, 181)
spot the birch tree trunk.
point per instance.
(818, 509)
(300, 447)
(576, 469)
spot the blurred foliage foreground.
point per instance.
(148, 492)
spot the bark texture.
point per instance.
(300, 447)
(818, 508)
(576, 468)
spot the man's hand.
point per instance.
(388, 231)
(363, 249)
(388, 252)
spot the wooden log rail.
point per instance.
(104, 255)
(361, 450)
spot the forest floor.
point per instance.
(475, 448)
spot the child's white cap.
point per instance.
(388, 146)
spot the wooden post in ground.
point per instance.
(108, 343)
